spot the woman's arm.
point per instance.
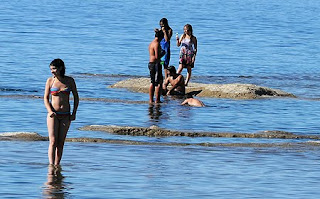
(176, 83)
(75, 99)
(167, 34)
(185, 102)
(47, 96)
(195, 44)
(165, 85)
(179, 41)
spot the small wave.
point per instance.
(114, 100)
(286, 77)
(10, 89)
(85, 75)
(16, 90)
(109, 100)
(21, 96)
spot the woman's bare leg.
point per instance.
(53, 128)
(180, 69)
(64, 125)
(189, 70)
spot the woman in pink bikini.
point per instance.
(188, 51)
(59, 115)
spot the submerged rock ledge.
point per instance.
(154, 131)
(30, 136)
(26, 136)
(234, 91)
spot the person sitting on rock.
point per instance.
(176, 81)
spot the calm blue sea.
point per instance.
(269, 43)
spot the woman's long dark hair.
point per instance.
(59, 64)
(165, 23)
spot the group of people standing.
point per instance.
(59, 87)
(159, 55)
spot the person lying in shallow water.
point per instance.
(176, 81)
(193, 102)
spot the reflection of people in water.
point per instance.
(193, 102)
(54, 186)
(154, 111)
(176, 81)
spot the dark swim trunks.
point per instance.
(155, 73)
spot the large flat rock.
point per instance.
(155, 131)
(296, 146)
(233, 91)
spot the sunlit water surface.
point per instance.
(267, 43)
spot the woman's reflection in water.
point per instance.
(54, 187)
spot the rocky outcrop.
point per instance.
(155, 131)
(24, 136)
(296, 146)
(233, 91)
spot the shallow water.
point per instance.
(267, 43)
(121, 171)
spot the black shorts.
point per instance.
(155, 73)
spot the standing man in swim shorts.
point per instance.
(155, 67)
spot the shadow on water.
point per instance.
(55, 187)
